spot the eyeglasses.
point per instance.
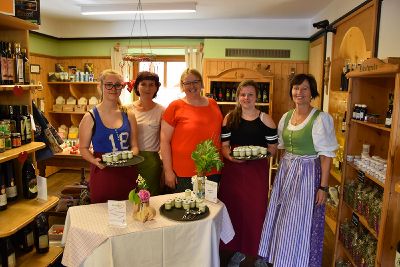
(117, 86)
(189, 83)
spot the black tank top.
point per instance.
(254, 133)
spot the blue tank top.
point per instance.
(107, 140)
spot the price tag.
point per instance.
(117, 213)
(355, 219)
(361, 176)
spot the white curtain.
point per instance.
(125, 69)
(194, 58)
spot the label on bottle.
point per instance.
(43, 241)
(33, 186)
(11, 260)
(29, 239)
(388, 122)
(3, 198)
(397, 260)
(343, 126)
(4, 71)
(12, 190)
(20, 71)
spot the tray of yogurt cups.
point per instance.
(184, 208)
(121, 159)
(250, 152)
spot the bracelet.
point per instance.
(324, 188)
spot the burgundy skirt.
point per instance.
(244, 191)
(111, 183)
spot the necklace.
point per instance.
(298, 119)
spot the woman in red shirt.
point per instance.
(187, 122)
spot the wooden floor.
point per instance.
(57, 181)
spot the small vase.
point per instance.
(201, 187)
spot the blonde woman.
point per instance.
(109, 128)
(187, 122)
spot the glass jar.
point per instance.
(2, 142)
(16, 140)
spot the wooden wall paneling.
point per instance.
(316, 68)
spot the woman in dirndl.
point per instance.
(293, 229)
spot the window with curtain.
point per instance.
(169, 70)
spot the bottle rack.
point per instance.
(371, 84)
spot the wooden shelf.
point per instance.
(331, 223)
(10, 22)
(363, 221)
(23, 211)
(68, 112)
(372, 125)
(336, 175)
(372, 178)
(34, 259)
(14, 153)
(24, 87)
(73, 83)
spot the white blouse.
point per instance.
(323, 133)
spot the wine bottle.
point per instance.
(19, 64)
(259, 96)
(228, 94)
(10, 253)
(25, 238)
(27, 123)
(234, 93)
(29, 182)
(388, 120)
(41, 233)
(343, 127)
(3, 195)
(1, 62)
(265, 97)
(10, 67)
(11, 186)
(20, 123)
(26, 66)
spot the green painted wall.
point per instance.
(100, 47)
(43, 45)
(215, 48)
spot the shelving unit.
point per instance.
(234, 76)
(67, 89)
(371, 84)
(21, 212)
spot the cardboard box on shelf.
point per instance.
(57, 107)
(68, 107)
(80, 108)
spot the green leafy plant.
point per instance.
(206, 157)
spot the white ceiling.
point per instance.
(206, 9)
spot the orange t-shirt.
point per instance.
(192, 125)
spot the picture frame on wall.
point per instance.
(35, 68)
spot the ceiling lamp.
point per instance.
(183, 7)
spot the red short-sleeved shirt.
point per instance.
(193, 124)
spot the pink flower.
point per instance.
(144, 195)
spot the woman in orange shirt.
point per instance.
(187, 122)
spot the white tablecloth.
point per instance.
(90, 241)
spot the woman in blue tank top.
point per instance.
(109, 128)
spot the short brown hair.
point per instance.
(299, 79)
(146, 76)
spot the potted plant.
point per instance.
(205, 157)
